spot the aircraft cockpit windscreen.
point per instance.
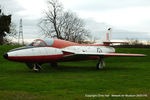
(49, 42)
(42, 43)
(37, 43)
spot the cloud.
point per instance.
(10, 6)
(129, 15)
(30, 19)
(128, 18)
(103, 5)
(98, 31)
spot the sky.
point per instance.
(129, 19)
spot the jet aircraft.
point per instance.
(56, 50)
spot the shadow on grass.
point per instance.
(120, 68)
(46, 68)
(58, 69)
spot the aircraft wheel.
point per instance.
(37, 68)
(34, 66)
(100, 65)
(54, 64)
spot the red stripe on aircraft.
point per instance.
(49, 58)
(41, 58)
(62, 44)
(117, 54)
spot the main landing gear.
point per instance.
(34, 66)
(37, 67)
(101, 63)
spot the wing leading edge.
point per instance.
(103, 54)
(109, 54)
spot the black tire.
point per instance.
(37, 68)
(100, 65)
(34, 66)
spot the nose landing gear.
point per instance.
(34, 66)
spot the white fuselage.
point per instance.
(40, 51)
(94, 49)
(50, 54)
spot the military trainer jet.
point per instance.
(56, 50)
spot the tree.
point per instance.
(62, 24)
(8, 39)
(5, 21)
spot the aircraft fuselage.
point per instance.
(52, 54)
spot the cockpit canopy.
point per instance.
(42, 43)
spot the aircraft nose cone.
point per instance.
(5, 56)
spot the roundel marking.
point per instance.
(99, 50)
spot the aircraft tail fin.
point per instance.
(108, 38)
(108, 34)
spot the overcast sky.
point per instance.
(128, 18)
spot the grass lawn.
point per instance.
(74, 80)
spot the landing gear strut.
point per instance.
(37, 68)
(101, 63)
(34, 66)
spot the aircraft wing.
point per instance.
(102, 54)
(109, 54)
